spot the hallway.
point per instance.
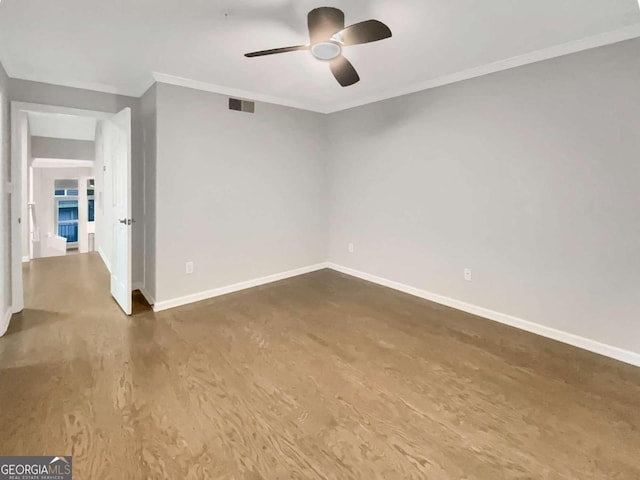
(72, 284)
(62, 359)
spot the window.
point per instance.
(90, 195)
(66, 193)
(68, 220)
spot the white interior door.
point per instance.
(117, 136)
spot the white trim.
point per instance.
(26, 259)
(106, 262)
(144, 86)
(626, 33)
(56, 110)
(92, 86)
(140, 286)
(608, 38)
(17, 122)
(6, 320)
(588, 43)
(61, 163)
(234, 92)
(137, 90)
(216, 292)
(610, 351)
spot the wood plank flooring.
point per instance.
(321, 376)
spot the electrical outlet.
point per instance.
(467, 274)
(351, 248)
(189, 268)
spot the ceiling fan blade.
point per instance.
(276, 50)
(363, 32)
(344, 72)
(324, 22)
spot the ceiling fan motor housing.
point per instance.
(326, 50)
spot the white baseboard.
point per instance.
(26, 259)
(107, 263)
(6, 319)
(140, 286)
(216, 292)
(610, 351)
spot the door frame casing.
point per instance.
(17, 188)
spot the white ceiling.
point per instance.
(71, 127)
(116, 45)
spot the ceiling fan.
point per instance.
(328, 36)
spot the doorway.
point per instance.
(74, 197)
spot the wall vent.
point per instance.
(242, 105)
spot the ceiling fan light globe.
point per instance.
(326, 51)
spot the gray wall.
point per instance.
(46, 94)
(44, 147)
(5, 207)
(240, 195)
(530, 177)
(148, 105)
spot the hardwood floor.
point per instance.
(321, 376)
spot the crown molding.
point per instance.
(81, 85)
(234, 92)
(144, 86)
(588, 43)
(137, 90)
